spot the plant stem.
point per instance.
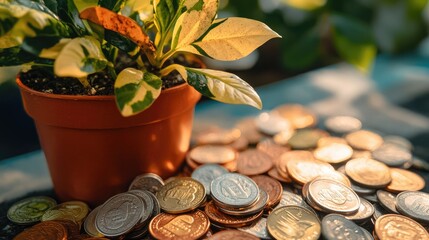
(84, 81)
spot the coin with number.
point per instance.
(364, 140)
(335, 226)
(206, 173)
(49, 230)
(293, 222)
(404, 180)
(254, 162)
(235, 190)
(183, 194)
(394, 226)
(368, 172)
(414, 205)
(219, 154)
(30, 210)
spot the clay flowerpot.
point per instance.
(93, 152)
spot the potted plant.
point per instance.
(142, 51)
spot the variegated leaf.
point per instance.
(79, 58)
(231, 39)
(54, 51)
(136, 90)
(139, 10)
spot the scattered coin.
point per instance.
(333, 153)
(206, 173)
(271, 148)
(392, 155)
(414, 205)
(232, 234)
(299, 116)
(361, 154)
(305, 170)
(394, 226)
(366, 210)
(274, 173)
(399, 141)
(295, 155)
(212, 154)
(272, 123)
(342, 124)
(253, 162)
(404, 180)
(336, 176)
(147, 205)
(75, 211)
(255, 208)
(258, 229)
(44, 231)
(234, 190)
(324, 141)
(226, 220)
(272, 187)
(368, 172)
(364, 140)
(387, 200)
(89, 224)
(420, 164)
(306, 138)
(379, 211)
(148, 181)
(362, 190)
(335, 226)
(282, 138)
(30, 210)
(218, 137)
(249, 130)
(240, 144)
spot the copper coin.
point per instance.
(342, 124)
(404, 180)
(212, 154)
(71, 227)
(329, 139)
(366, 210)
(240, 144)
(291, 155)
(271, 148)
(274, 173)
(191, 163)
(272, 123)
(298, 115)
(49, 230)
(218, 136)
(220, 218)
(192, 225)
(364, 140)
(361, 154)
(282, 138)
(387, 200)
(249, 130)
(368, 172)
(253, 162)
(394, 226)
(306, 138)
(272, 187)
(232, 235)
(333, 153)
(336, 176)
(303, 171)
(231, 166)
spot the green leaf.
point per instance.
(136, 90)
(166, 13)
(220, 86)
(79, 58)
(121, 42)
(139, 10)
(69, 13)
(36, 5)
(114, 5)
(84, 4)
(301, 52)
(14, 56)
(230, 39)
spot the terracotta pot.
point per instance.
(93, 152)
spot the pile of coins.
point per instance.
(274, 176)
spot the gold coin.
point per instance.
(182, 194)
(305, 170)
(298, 115)
(394, 226)
(364, 140)
(336, 176)
(333, 153)
(404, 180)
(212, 154)
(281, 163)
(329, 139)
(368, 172)
(75, 211)
(306, 138)
(293, 222)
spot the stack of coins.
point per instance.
(274, 176)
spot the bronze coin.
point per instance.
(218, 136)
(292, 155)
(71, 227)
(394, 226)
(298, 115)
(232, 234)
(333, 153)
(240, 144)
(219, 154)
(271, 148)
(364, 140)
(303, 171)
(272, 187)
(404, 180)
(274, 173)
(368, 172)
(231, 166)
(192, 225)
(191, 163)
(222, 219)
(253, 162)
(249, 130)
(48, 230)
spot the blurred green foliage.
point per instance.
(320, 32)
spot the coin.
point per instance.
(295, 155)
(30, 210)
(342, 124)
(272, 123)
(147, 205)
(333, 197)
(336, 176)
(335, 226)
(420, 164)
(148, 181)
(364, 140)
(258, 229)
(414, 205)
(249, 130)
(271, 148)
(212, 154)
(365, 211)
(206, 173)
(49, 230)
(404, 180)
(289, 198)
(394, 226)
(361, 154)
(89, 224)
(305, 170)
(282, 138)
(240, 144)
(272, 187)
(379, 211)
(72, 228)
(398, 141)
(258, 206)
(192, 225)
(387, 200)
(362, 190)
(368, 172)
(222, 219)
(232, 234)
(181, 195)
(75, 211)
(306, 138)
(218, 136)
(392, 155)
(274, 173)
(298, 115)
(333, 153)
(293, 222)
(234, 190)
(253, 162)
(156, 207)
(323, 141)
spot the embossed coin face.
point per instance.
(368, 172)
(293, 222)
(180, 195)
(366, 210)
(75, 211)
(364, 140)
(206, 173)
(192, 225)
(30, 210)
(222, 219)
(254, 162)
(394, 226)
(119, 214)
(342, 124)
(148, 181)
(258, 229)
(234, 190)
(333, 153)
(392, 155)
(404, 180)
(212, 154)
(387, 200)
(89, 224)
(298, 115)
(336, 226)
(414, 205)
(305, 170)
(232, 234)
(272, 123)
(306, 138)
(332, 196)
(272, 187)
(44, 231)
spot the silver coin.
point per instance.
(399, 141)
(335, 226)
(148, 181)
(147, 204)
(235, 190)
(271, 123)
(206, 173)
(392, 155)
(379, 211)
(258, 229)
(119, 214)
(367, 235)
(366, 210)
(30, 210)
(257, 207)
(156, 206)
(289, 198)
(387, 200)
(414, 205)
(89, 224)
(342, 124)
(362, 190)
